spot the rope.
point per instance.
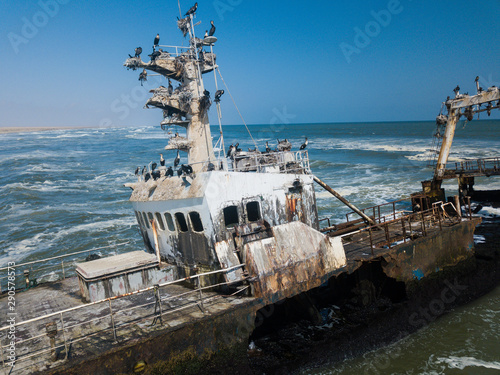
(229, 92)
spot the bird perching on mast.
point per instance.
(461, 105)
(192, 10)
(189, 100)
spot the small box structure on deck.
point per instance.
(120, 274)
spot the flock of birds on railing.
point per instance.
(151, 172)
(284, 145)
(468, 111)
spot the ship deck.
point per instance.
(91, 329)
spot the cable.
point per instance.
(229, 92)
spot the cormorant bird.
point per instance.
(162, 161)
(170, 87)
(147, 177)
(155, 54)
(177, 159)
(212, 29)
(268, 149)
(180, 170)
(192, 9)
(218, 94)
(236, 148)
(304, 145)
(169, 172)
(187, 169)
(206, 93)
(488, 108)
(230, 151)
(206, 34)
(138, 51)
(468, 112)
(156, 175)
(143, 170)
(137, 170)
(156, 41)
(143, 76)
(479, 88)
(284, 145)
(153, 167)
(456, 90)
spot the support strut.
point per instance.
(366, 218)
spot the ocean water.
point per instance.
(464, 342)
(62, 191)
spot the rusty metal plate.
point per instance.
(228, 258)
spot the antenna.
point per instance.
(219, 114)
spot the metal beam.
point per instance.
(366, 218)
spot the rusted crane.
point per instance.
(468, 106)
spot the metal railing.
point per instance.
(380, 214)
(178, 49)
(272, 162)
(103, 322)
(386, 211)
(479, 165)
(404, 228)
(48, 267)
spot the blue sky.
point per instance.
(285, 61)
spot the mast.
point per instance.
(188, 104)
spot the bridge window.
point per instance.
(170, 222)
(231, 216)
(160, 221)
(145, 218)
(253, 211)
(138, 217)
(150, 218)
(181, 222)
(196, 221)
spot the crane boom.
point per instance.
(470, 106)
